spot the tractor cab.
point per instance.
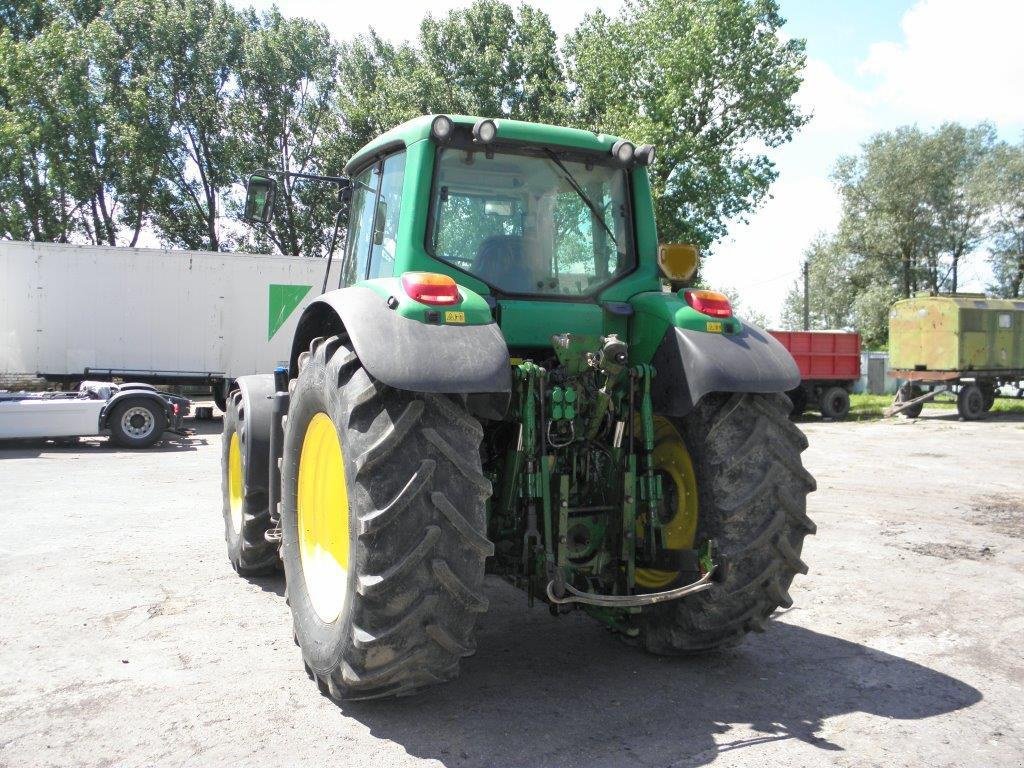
(513, 212)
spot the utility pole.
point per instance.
(807, 296)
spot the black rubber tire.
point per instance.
(970, 402)
(798, 397)
(909, 392)
(835, 403)
(248, 414)
(752, 495)
(988, 392)
(217, 390)
(417, 546)
(117, 434)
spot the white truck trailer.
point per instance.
(69, 313)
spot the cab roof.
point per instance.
(541, 134)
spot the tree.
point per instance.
(1003, 189)
(912, 203)
(833, 284)
(885, 219)
(202, 43)
(492, 60)
(705, 81)
(81, 116)
(956, 156)
(286, 119)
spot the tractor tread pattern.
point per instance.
(747, 451)
(254, 555)
(418, 492)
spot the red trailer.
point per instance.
(829, 363)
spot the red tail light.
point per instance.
(430, 288)
(175, 409)
(710, 303)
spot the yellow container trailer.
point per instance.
(963, 341)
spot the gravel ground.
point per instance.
(125, 638)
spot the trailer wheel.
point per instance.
(137, 423)
(988, 391)
(751, 492)
(835, 403)
(970, 402)
(908, 392)
(383, 523)
(245, 472)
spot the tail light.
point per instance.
(430, 288)
(710, 303)
(175, 409)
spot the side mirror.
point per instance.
(259, 199)
(678, 262)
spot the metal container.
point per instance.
(823, 355)
(961, 332)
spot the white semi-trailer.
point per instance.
(69, 313)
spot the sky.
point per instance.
(872, 65)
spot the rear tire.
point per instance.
(244, 474)
(752, 495)
(970, 402)
(137, 423)
(835, 403)
(409, 573)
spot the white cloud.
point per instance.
(760, 260)
(837, 107)
(958, 61)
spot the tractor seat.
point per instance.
(499, 262)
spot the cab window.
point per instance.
(360, 227)
(386, 216)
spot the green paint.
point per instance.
(656, 312)
(281, 302)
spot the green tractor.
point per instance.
(511, 378)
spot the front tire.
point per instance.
(245, 472)
(752, 500)
(383, 523)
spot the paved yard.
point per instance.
(125, 638)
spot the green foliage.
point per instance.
(1002, 186)
(912, 203)
(126, 118)
(705, 81)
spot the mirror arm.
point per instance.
(342, 181)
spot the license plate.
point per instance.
(714, 328)
(455, 317)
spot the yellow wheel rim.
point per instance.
(235, 496)
(673, 461)
(323, 519)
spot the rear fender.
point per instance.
(409, 354)
(692, 363)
